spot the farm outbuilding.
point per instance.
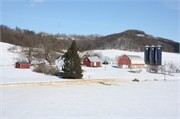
(92, 61)
(22, 65)
(130, 61)
(107, 60)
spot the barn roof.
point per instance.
(23, 63)
(135, 59)
(94, 59)
(106, 58)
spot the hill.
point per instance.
(130, 40)
(135, 40)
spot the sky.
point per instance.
(159, 18)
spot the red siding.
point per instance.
(86, 62)
(90, 64)
(17, 65)
(98, 64)
(124, 60)
(25, 66)
(22, 66)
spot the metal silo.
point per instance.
(152, 55)
(146, 54)
(158, 57)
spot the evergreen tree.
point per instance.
(72, 63)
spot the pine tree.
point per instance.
(72, 63)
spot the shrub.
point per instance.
(12, 48)
(172, 67)
(42, 68)
(51, 70)
(152, 68)
(155, 79)
(136, 80)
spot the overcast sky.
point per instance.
(155, 17)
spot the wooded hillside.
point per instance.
(130, 40)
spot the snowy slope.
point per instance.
(134, 100)
(168, 57)
(13, 75)
(7, 58)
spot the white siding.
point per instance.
(59, 63)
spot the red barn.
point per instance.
(92, 61)
(130, 61)
(22, 65)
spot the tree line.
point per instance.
(130, 40)
(135, 40)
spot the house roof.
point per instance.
(106, 58)
(94, 59)
(135, 59)
(60, 57)
(23, 63)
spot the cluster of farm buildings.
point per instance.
(152, 55)
(125, 61)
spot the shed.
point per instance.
(22, 65)
(107, 59)
(130, 61)
(92, 61)
(59, 62)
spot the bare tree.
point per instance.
(162, 69)
(98, 54)
(29, 46)
(116, 59)
(47, 48)
(172, 67)
(152, 68)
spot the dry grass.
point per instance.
(42, 68)
(71, 82)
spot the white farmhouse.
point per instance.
(59, 62)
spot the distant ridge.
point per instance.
(135, 40)
(129, 40)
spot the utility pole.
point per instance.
(105, 63)
(165, 70)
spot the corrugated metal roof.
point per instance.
(135, 59)
(23, 63)
(108, 59)
(94, 59)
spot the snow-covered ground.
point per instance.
(142, 100)
(10, 74)
(148, 99)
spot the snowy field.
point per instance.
(10, 74)
(147, 99)
(144, 100)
